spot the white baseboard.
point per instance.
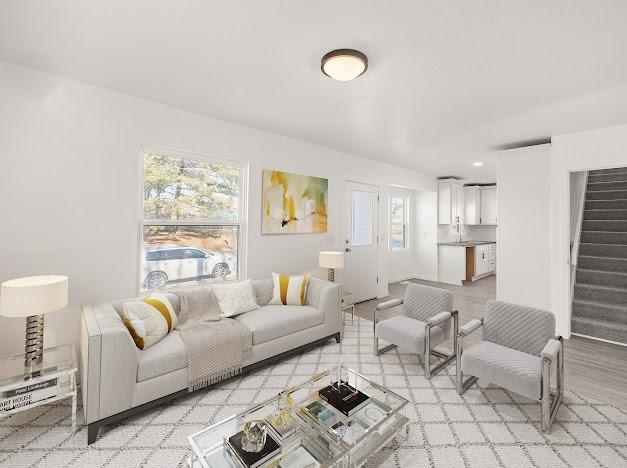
(396, 279)
(427, 278)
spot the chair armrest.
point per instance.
(439, 318)
(551, 350)
(389, 304)
(109, 359)
(470, 327)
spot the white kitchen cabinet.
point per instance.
(488, 206)
(472, 205)
(480, 205)
(485, 260)
(450, 202)
(482, 260)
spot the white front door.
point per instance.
(361, 266)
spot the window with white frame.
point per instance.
(192, 219)
(398, 223)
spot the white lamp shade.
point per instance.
(33, 295)
(331, 259)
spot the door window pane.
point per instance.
(361, 230)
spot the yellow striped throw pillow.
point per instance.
(149, 320)
(289, 290)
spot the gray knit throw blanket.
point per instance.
(215, 348)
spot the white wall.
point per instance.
(534, 215)
(69, 196)
(483, 233)
(596, 149)
(523, 242)
(426, 264)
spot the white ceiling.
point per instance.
(449, 81)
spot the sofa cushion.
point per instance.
(506, 367)
(408, 333)
(164, 357)
(274, 321)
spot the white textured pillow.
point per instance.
(149, 320)
(235, 298)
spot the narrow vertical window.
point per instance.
(398, 223)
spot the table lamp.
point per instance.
(331, 261)
(32, 297)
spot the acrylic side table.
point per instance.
(52, 380)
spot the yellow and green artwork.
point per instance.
(293, 203)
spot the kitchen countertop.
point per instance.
(466, 243)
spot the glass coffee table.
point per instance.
(320, 436)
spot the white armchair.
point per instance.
(425, 322)
(517, 350)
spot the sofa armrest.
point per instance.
(109, 361)
(325, 296)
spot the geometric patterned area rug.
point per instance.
(486, 427)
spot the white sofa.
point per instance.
(119, 380)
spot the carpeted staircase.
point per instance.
(600, 299)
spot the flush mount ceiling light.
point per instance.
(344, 64)
(477, 164)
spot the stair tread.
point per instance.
(587, 302)
(603, 258)
(590, 320)
(600, 243)
(592, 270)
(612, 232)
(604, 288)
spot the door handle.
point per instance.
(347, 249)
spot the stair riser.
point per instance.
(604, 264)
(602, 330)
(609, 214)
(606, 186)
(620, 177)
(599, 313)
(606, 225)
(603, 250)
(595, 237)
(612, 280)
(614, 170)
(608, 195)
(602, 296)
(606, 205)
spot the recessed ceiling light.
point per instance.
(344, 64)
(477, 164)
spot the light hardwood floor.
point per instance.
(592, 368)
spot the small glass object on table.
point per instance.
(323, 437)
(51, 380)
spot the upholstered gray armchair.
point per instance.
(517, 351)
(425, 322)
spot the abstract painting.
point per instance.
(293, 203)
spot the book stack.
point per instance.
(281, 426)
(27, 395)
(254, 459)
(344, 398)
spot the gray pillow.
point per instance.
(198, 304)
